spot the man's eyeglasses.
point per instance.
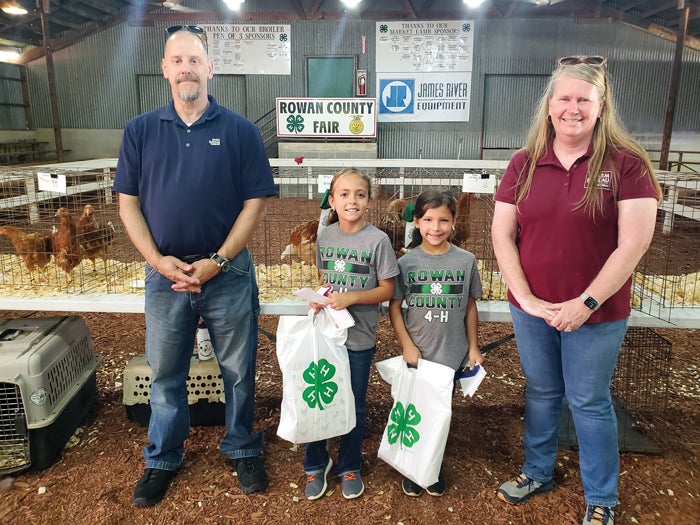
(201, 33)
(591, 60)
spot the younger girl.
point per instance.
(358, 263)
(440, 283)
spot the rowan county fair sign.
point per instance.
(326, 117)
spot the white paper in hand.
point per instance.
(341, 318)
(470, 380)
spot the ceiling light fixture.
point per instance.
(13, 8)
(473, 4)
(234, 5)
(351, 4)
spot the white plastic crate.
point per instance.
(205, 392)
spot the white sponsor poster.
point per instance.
(424, 70)
(425, 97)
(250, 49)
(326, 117)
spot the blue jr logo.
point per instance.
(396, 96)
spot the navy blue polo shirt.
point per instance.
(192, 181)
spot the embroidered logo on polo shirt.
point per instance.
(604, 180)
(215, 142)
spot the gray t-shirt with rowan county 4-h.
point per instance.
(436, 289)
(356, 262)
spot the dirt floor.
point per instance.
(92, 481)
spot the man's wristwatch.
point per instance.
(222, 262)
(589, 301)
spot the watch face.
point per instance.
(591, 303)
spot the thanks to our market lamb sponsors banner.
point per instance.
(326, 117)
(250, 49)
(424, 70)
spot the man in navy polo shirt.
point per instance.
(192, 180)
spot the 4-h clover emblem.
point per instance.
(383, 28)
(322, 389)
(295, 123)
(283, 37)
(402, 428)
(436, 288)
(466, 28)
(339, 266)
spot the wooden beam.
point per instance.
(673, 89)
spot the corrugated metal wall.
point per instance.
(11, 117)
(114, 75)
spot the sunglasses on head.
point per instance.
(591, 60)
(190, 29)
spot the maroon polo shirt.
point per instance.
(563, 249)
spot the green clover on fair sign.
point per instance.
(295, 123)
(402, 428)
(322, 389)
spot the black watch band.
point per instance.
(222, 262)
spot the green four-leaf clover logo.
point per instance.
(322, 389)
(295, 123)
(402, 427)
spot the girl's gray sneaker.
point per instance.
(352, 484)
(316, 482)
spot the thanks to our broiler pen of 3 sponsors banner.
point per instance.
(250, 49)
(326, 117)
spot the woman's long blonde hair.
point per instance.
(609, 137)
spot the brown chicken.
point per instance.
(67, 252)
(462, 228)
(302, 242)
(34, 248)
(391, 222)
(94, 238)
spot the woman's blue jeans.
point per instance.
(229, 305)
(350, 450)
(580, 365)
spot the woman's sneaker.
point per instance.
(316, 482)
(597, 515)
(523, 488)
(410, 488)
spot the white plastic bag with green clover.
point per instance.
(317, 398)
(416, 432)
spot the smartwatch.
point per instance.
(223, 262)
(589, 301)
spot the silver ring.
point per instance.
(567, 329)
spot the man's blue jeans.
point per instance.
(580, 365)
(229, 305)
(350, 450)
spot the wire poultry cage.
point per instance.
(665, 280)
(640, 386)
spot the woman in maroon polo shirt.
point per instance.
(574, 214)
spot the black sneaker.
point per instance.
(410, 488)
(437, 488)
(251, 474)
(152, 486)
